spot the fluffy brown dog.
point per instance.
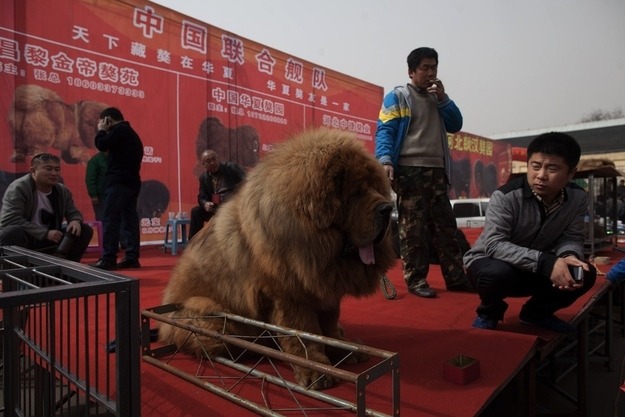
(308, 227)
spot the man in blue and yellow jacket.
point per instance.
(411, 143)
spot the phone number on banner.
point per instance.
(267, 117)
(107, 88)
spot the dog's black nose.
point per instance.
(384, 209)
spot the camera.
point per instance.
(66, 244)
(577, 272)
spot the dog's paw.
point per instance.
(84, 157)
(311, 379)
(342, 356)
(18, 157)
(356, 357)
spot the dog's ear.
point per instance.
(321, 198)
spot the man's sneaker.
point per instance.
(550, 323)
(496, 314)
(127, 263)
(483, 322)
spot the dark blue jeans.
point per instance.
(98, 209)
(120, 208)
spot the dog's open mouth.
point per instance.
(366, 253)
(367, 256)
(382, 219)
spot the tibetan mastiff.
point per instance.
(307, 227)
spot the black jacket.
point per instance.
(229, 175)
(125, 153)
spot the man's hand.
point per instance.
(73, 228)
(105, 124)
(55, 236)
(437, 88)
(209, 206)
(561, 276)
(390, 171)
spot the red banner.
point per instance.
(480, 165)
(182, 84)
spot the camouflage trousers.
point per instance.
(426, 218)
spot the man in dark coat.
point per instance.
(217, 183)
(123, 183)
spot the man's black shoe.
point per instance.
(425, 292)
(466, 287)
(126, 263)
(106, 265)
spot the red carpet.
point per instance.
(425, 332)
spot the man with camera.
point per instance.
(34, 208)
(533, 240)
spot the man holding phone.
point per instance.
(533, 240)
(121, 190)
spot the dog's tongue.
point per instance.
(366, 254)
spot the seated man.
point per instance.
(533, 235)
(34, 208)
(217, 183)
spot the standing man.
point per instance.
(95, 179)
(533, 240)
(217, 183)
(123, 183)
(411, 143)
(34, 208)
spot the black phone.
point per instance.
(577, 272)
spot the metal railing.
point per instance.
(58, 317)
(224, 376)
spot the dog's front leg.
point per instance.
(304, 318)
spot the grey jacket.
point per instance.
(517, 232)
(394, 122)
(20, 202)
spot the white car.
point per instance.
(470, 212)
